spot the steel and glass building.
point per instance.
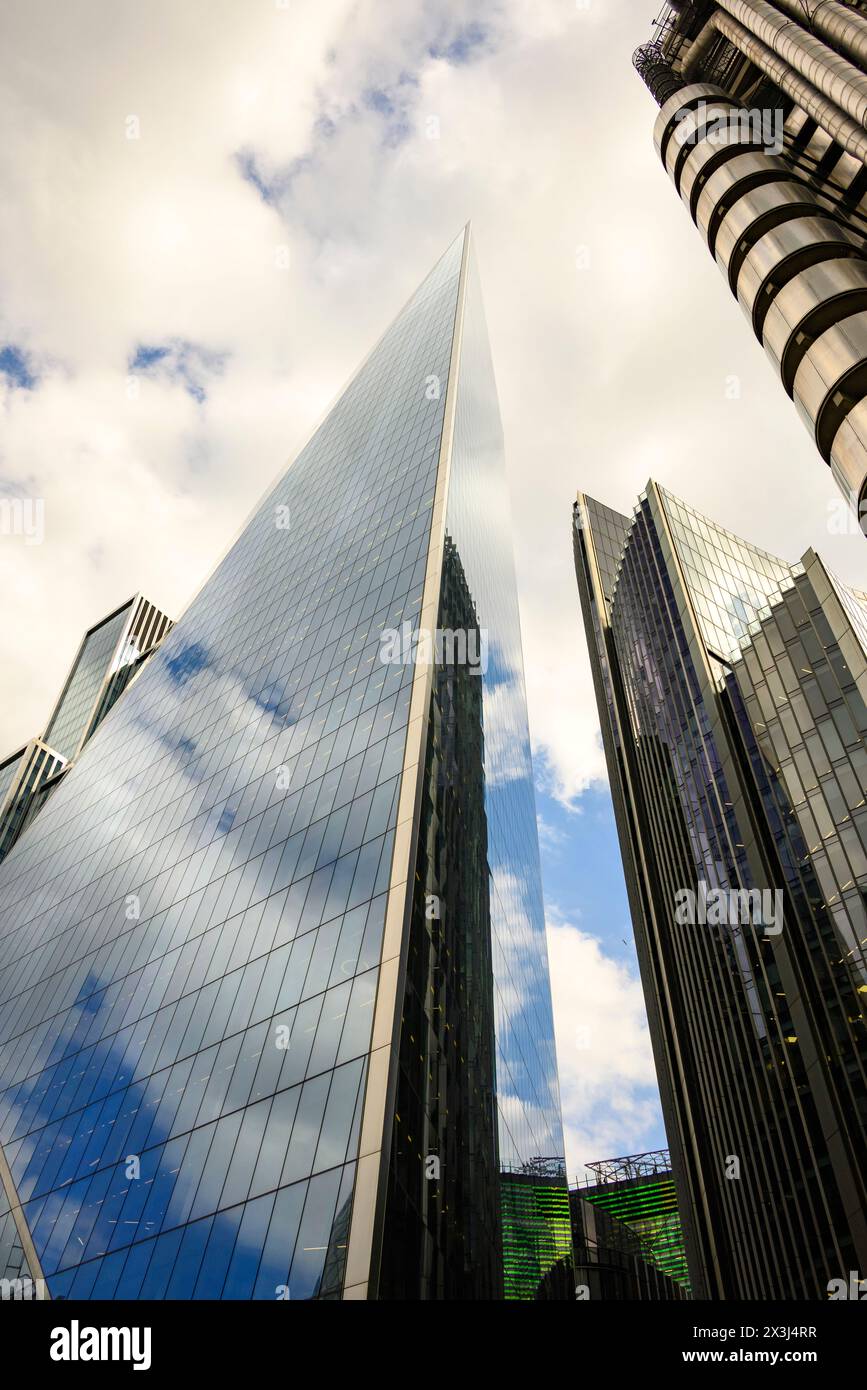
(637, 1192)
(732, 692)
(111, 653)
(762, 128)
(537, 1234)
(610, 1265)
(23, 776)
(274, 1003)
(626, 1232)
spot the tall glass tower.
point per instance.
(732, 692)
(274, 997)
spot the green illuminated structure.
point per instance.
(639, 1191)
(537, 1233)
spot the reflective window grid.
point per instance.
(732, 689)
(191, 930)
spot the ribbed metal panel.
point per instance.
(811, 302)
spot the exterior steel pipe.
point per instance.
(836, 77)
(812, 301)
(844, 28)
(699, 50)
(848, 455)
(706, 158)
(799, 274)
(838, 125)
(691, 129)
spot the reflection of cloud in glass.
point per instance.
(507, 754)
(516, 1117)
(176, 894)
(526, 1064)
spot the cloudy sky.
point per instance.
(213, 207)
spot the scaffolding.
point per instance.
(638, 1189)
(632, 1167)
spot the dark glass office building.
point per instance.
(635, 1192)
(274, 998)
(732, 691)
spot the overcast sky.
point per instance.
(256, 187)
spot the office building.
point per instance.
(626, 1220)
(111, 653)
(731, 689)
(274, 1001)
(761, 128)
(537, 1237)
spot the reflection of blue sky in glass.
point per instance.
(176, 902)
(479, 522)
(730, 580)
(70, 719)
(187, 662)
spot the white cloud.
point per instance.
(606, 374)
(544, 140)
(607, 1078)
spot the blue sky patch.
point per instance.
(377, 100)
(180, 362)
(582, 875)
(468, 43)
(17, 369)
(275, 185)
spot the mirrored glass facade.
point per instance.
(111, 653)
(478, 993)
(732, 690)
(209, 951)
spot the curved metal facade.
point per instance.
(787, 230)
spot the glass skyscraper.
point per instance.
(111, 653)
(274, 998)
(732, 691)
